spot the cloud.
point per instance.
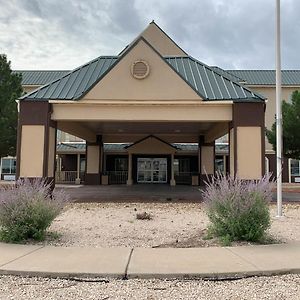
(63, 34)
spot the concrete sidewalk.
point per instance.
(214, 262)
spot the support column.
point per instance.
(247, 140)
(77, 180)
(231, 150)
(129, 179)
(93, 162)
(200, 142)
(172, 181)
(206, 157)
(36, 148)
(224, 164)
(207, 161)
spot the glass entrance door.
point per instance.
(151, 170)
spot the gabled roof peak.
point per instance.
(160, 40)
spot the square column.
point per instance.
(247, 141)
(206, 160)
(129, 179)
(93, 162)
(36, 148)
(172, 180)
(77, 180)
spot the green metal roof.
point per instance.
(70, 147)
(210, 84)
(121, 147)
(30, 77)
(75, 83)
(251, 77)
(80, 147)
(227, 74)
(266, 77)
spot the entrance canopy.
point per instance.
(152, 87)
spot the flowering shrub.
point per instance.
(28, 209)
(238, 209)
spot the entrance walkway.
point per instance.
(134, 193)
(210, 263)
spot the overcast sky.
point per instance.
(63, 34)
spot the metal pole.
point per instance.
(278, 113)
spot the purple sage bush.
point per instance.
(238, 210)
(28, 209)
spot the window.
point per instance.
(121, 164)
(295, 167)
(8, 165)
(181, 165)
(219, 164)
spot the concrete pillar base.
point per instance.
(77, 181)
(129, 182)
(172, 182)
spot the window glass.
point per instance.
(5, 167)
(295, 170)
(82, 164)
(181, 165)
(8, 166)
(121, 164)
(13, 166)
(219, 164)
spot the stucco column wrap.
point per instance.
(129, 180)
(208, 159)
(247, 141)
(36, 148)
(93, 163)
(172, 181)
(206, 156)
(77, 180)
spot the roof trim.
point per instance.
(151, 136)
(153, 22)
(140, 35)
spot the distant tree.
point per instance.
(10, 90)
(290, 128)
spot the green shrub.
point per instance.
(28, 209)
(237, 209)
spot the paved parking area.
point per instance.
(134, 193)
(148, 193)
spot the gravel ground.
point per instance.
(276, 287)
(172, 225)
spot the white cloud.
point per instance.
(63, 34)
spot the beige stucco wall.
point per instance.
(270, 94)
(164, 45)
(207, 160)
(129, 112)
(151, 146)
(93, 156)
(249, 152)
(231, 152)
(32, 151)
(162, 83)
(51, 151)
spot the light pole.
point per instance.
(278, 113)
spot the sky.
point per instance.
(64, 34)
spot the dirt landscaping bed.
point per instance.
(170, 225)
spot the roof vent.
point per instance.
(140, 69)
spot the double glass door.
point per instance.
(151, 170)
